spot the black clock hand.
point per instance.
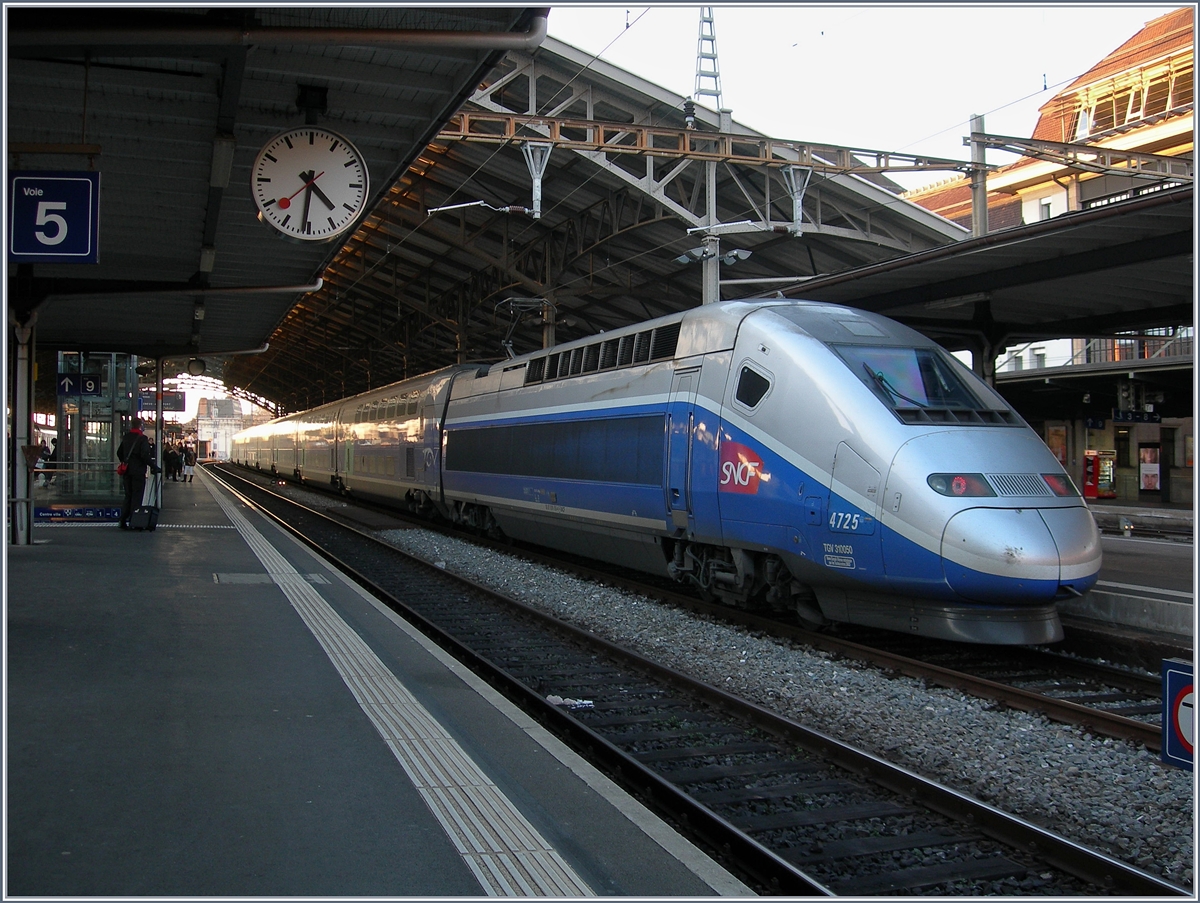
(319, 193)
(308, 190)
(286, 202)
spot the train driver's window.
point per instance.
(751, 387)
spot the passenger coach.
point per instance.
(789, 454)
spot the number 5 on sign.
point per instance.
(45, 217)
(54, 217)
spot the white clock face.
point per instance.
(309, 183)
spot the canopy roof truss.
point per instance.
(428, 277)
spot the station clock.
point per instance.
(310, 183)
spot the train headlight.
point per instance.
(960, 485)
(1060, 484)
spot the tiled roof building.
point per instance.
(1137, 98)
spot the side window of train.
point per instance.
(752, 387)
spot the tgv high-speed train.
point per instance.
(788, 454)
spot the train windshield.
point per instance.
(909, 377)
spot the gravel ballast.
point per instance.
(1106, 794)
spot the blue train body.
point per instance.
(786, 454)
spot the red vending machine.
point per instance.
(1099, 468)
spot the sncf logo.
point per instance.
(740, 468)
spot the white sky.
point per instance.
(884, 77)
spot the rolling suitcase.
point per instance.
(145, 515)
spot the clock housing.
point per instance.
(310, 183)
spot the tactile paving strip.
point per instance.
(504, 851)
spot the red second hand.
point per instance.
(284, 203)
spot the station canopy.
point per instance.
(522, 193)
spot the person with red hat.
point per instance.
(135, 453)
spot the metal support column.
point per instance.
(20, 475)
(548, 318)
(979, 211)
(983, 359)
(537, 158)
(710, 276)
(796, 179)
(710, 269)
(159, 422)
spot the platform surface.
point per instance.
(209, 710)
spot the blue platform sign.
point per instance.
(79, 384)
(1136, 417)
(1178, 717)
(54, 217)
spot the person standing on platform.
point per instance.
(136, 454)
(189, 464)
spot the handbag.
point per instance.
(121, 468)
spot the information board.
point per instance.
(172, 401)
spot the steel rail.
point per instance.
(779, 875)
(1099, 721)
(725, 841)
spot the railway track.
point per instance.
(1104, 699)
(790, 809)
(1108, 701)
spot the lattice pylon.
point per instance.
(708, 74)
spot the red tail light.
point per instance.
(960, 485)
(1060, 484)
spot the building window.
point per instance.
(1102, 115)
(1044, 210)
(1141, 97)
(1182, 92)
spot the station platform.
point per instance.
(1161, 602)
(210, 710)
(1149, 516)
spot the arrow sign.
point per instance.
(79, 384)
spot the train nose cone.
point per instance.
(998, 554)
(1078, 540)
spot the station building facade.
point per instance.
(1139, 98)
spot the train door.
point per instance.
(681, 420)
(343, 449)
(429, 454)
(852, 520)
(434, 413)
